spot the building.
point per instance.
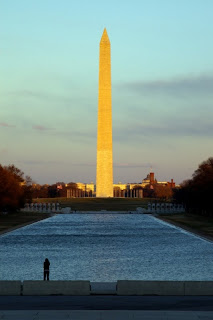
(81, 190)
(120, 190)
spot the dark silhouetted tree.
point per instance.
(11, 192)
(196, 193)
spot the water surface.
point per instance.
(105, 247)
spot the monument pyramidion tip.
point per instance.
(105, 37)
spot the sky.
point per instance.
(162, 87)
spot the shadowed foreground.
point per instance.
(12, 221)
(200, 225)
(111, 302)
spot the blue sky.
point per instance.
(162, 81)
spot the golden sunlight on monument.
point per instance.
(104, 170)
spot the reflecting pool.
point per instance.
(105, 247)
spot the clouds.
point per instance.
(79, 134)
(40, 95)
(172, 108)
(40, 162)
(131, 165)
(7, 125)
(115, 165)
(3, 151)
(178, 86)
(171, 128)
(35, 127)
(42, 128)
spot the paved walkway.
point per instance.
(108, 302)
(104, 307)
(104, 315)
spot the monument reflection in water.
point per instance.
(105, 247)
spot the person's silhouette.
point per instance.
(46, 269)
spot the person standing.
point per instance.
(46, 269)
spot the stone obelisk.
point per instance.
(104, 170)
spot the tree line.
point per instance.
(196, 193)
(56, 190)
(15, 188)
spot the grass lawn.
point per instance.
(18, 219)
(89, 204)
(194, 223)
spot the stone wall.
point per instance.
(123, 287)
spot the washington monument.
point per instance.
(104, 171)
